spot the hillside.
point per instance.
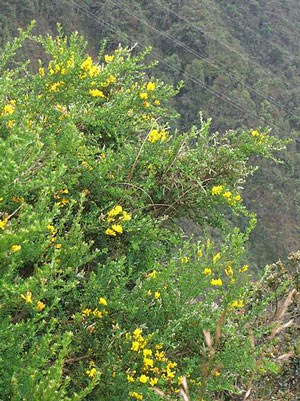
(240, 65)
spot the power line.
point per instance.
(198, 55)
(191, 78)
(225, 45)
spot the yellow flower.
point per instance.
(10, 124)
(148, 363)
(243, 268)
(254, 133)
(153, 381)
(97, 313)
(227, 194)
(86, 312)
(58, 246)
(102, 301)
(137, 333)
(160, 356)
(237, 304)
(117, 228)
(56, 86)
(9, 108)
(27, 297)
(184, 260)
(156, 295)
(229, 271)
(136, 395)
(15, 248)
(92, 372)
(147, 352)
(150, 86)
(3, 223)
(115, 211)
(135, 346)
(237, 198)
(40, 306)
(216, 282)
(41, 72)
(200, 253)
(108, 58)
(96, 93)
(217, 373)
(111, 232)
(153, 136)
(111, 79)
(216, 190)
(144, 95)
(156, 102)
(216, 257)
(87, 64)
(180, 380)
(207, 271)
(126, 216)
(143, 379)
(130, 379)
(153, 274)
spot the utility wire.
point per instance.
(225, 45)
(224, 98)
(198, 55)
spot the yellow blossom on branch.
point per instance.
(216, 282)
(110, 232)
(217, 257)
(92, 372)
(136, 395)
(108, 58)
(144, 95)
(207, 271)
(96, 93)
(15, 248)
(40, 306)
(143, 379)
(102, 301)
(243, 268)
(217, 190)
(27, 297)
(117, 228)
(150, 86)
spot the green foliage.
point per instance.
(102, 296)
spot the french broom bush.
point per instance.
(102, 295)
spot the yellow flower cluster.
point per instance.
(56, 86)
(96, 312)
(61, 68)
(96, 93)
(239, 303)
(9, 108)
(136, 395)
(116, 216)
(156, 135)
(28, 300)
(228, 195)
(89, 68)
(108, 58)
(155, 366)
(15, 248)
(216, 282)
(3, 223)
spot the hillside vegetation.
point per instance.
(103, 297)
(240, 64)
